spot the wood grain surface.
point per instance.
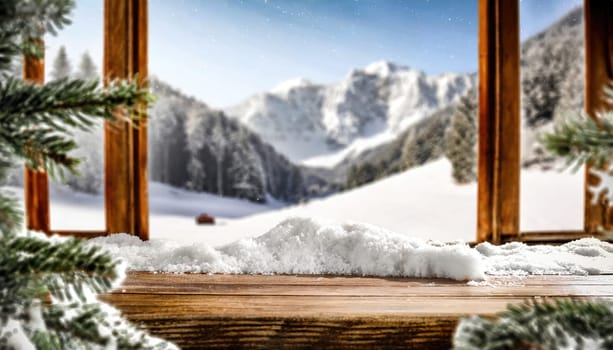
(36, 182)
(499, 120)
(199, 311)
(125, 56)
(598, 73)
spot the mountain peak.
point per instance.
(384, 68)
(288, 85)
(370, 105)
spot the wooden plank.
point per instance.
(159, 281)
(141, 179)
(598, 73)
(179, 280)
(36, 182)
(516, 290)
(340, 280)
(302, 332)
(499, 122)
(220, 322)
(551, 237)
(319, 280)
(240, 306)
(79, 233)
(343, 312)
(125, 55)
(196, 284)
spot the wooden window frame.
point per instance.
(125, 54)
(499, 119)
(125, 143)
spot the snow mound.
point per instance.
(587, 256)
(309, 246)
(306, 246)
(161, 255)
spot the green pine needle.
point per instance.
(583, 140)
(36, 125)
(540, 325)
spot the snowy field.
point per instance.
(421, 203)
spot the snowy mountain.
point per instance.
(321, 124)
(324, 125)
(552, 68)
(199, 148)
(552, 88)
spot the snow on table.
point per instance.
(305, 246)
(405, 211)
(308, 246)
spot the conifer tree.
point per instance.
(410, 150)
(35, 125)
(87, 68)
(89, 175)
(360, 174)
(61, 65)
(462, 140)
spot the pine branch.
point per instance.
(72, 272)
(23, 20)
(36, 122)
(540, 326)
(8, 50)
(10, 215)
(583, 140)
(82, 325)
(63, 266)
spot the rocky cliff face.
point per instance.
(304, 120)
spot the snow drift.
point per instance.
(588, 256)
(306, 246)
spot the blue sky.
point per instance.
(222, 51)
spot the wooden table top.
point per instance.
(224, 311)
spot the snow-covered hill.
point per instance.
(423, 202)
(321, 124)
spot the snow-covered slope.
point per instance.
(320, 124)
(168, 206)
(421, 202)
